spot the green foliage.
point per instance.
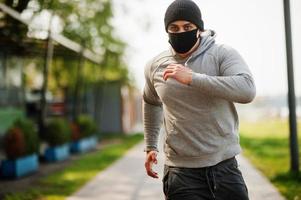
(86, 124)
(57, 132)
(266, 144)
(14, 143)
(11, 27)
(62, 184)
(88, 22)
(31, 136)
(21, 139)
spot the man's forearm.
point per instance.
(152, 120)
(237, 88)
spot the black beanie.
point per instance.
(184, 10)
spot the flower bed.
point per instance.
(83, 145)
(15, 168)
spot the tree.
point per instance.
(85, 21)
(88, 23)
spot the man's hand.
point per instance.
(179, 72)
(151, 157)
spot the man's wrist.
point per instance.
(149, 150)
(190, 79)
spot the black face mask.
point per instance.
(183, 42)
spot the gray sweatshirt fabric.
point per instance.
(200, 119)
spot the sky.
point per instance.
(254, 27)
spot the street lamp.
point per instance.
(294, 152)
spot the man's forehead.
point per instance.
(180, 23)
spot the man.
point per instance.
(192, 88)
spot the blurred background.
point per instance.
(254, 28)
(76, 68)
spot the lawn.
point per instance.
(61, 184)
(266, 145)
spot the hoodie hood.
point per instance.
(207, 40)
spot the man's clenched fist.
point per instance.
(178, 72)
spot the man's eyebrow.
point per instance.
(185, 24)
(172, 24)
(188, 23)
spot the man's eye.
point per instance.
(187, 28)
(173, 28)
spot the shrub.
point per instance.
(30, 134)
(57, 132)
(86, 126)
(21, 139)
(75, 132)
(14, 143)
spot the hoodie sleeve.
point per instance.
(235, 82)
(152, 111)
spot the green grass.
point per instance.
(266, 145)
(63, 183)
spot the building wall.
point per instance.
(104, 103)
(131, 110)
(111, 108)
(116, 108)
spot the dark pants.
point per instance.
(220, 182)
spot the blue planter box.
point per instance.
(58, 153)
(84, 145)
(19, 167)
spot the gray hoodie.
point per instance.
(200, 119)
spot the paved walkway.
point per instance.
(127, 180)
